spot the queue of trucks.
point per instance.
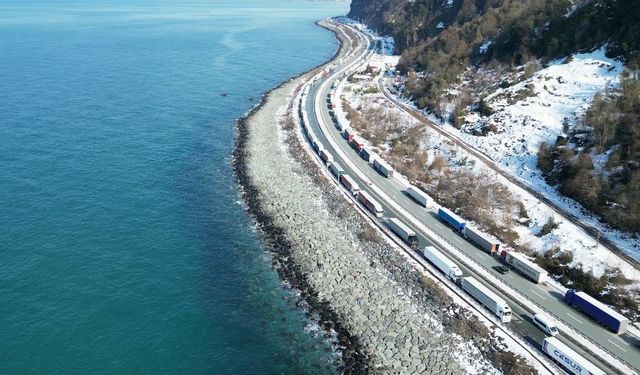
(566, 357)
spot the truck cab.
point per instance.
(504, 312)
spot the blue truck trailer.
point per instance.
(597, 310)
(452, 219)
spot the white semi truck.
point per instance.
(488, 298)
(444, 264)
(419, 196)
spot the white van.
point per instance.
(544, 323)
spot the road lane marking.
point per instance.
(618, 346)
(578, 320)
(538, 294)
(510, 276)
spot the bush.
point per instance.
(549, 227)
(484, 108)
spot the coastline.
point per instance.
(360, 287)
(353, 358)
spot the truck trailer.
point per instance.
(326, 157)
(489, 299)
(403, 231)
(351, 185)
(357, 143)
(348, 134)
(383, 168)
(372, 205)
(452, 219)
(419, 196)
(444, 264)
(336, 169)
(597, 310)
(568, 358)
(477, 237)
(365, 154)
(318, 146)
(524, 266)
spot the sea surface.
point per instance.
(124, 248)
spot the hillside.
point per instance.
(486, 67)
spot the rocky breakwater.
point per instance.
(329, 252)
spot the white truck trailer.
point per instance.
(403, 231)
(569, 359)
(488, 298)
(524, 266)
(444, 264)
(419, 196)
(382, 167)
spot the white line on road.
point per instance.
(538, 294)
(510, 276)
(578, 320)
(619, 347)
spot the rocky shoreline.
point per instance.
(352, 357)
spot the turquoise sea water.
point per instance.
(123, 246)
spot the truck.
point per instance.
(337, 124)
(372, 205)
(481, 239)
(383, 168)
(524, 266)
(348, 134)
(419, 196)
(318, 146)
(597, 311)
(489, 299)
(444, 264)
(365, 154)
(357, 143)
(568, 358)
(452, 219)
(336, 169)
(403, 231)
(351, 185)
(326, 157)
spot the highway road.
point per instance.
(397, 204)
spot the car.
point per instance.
(501, 269)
